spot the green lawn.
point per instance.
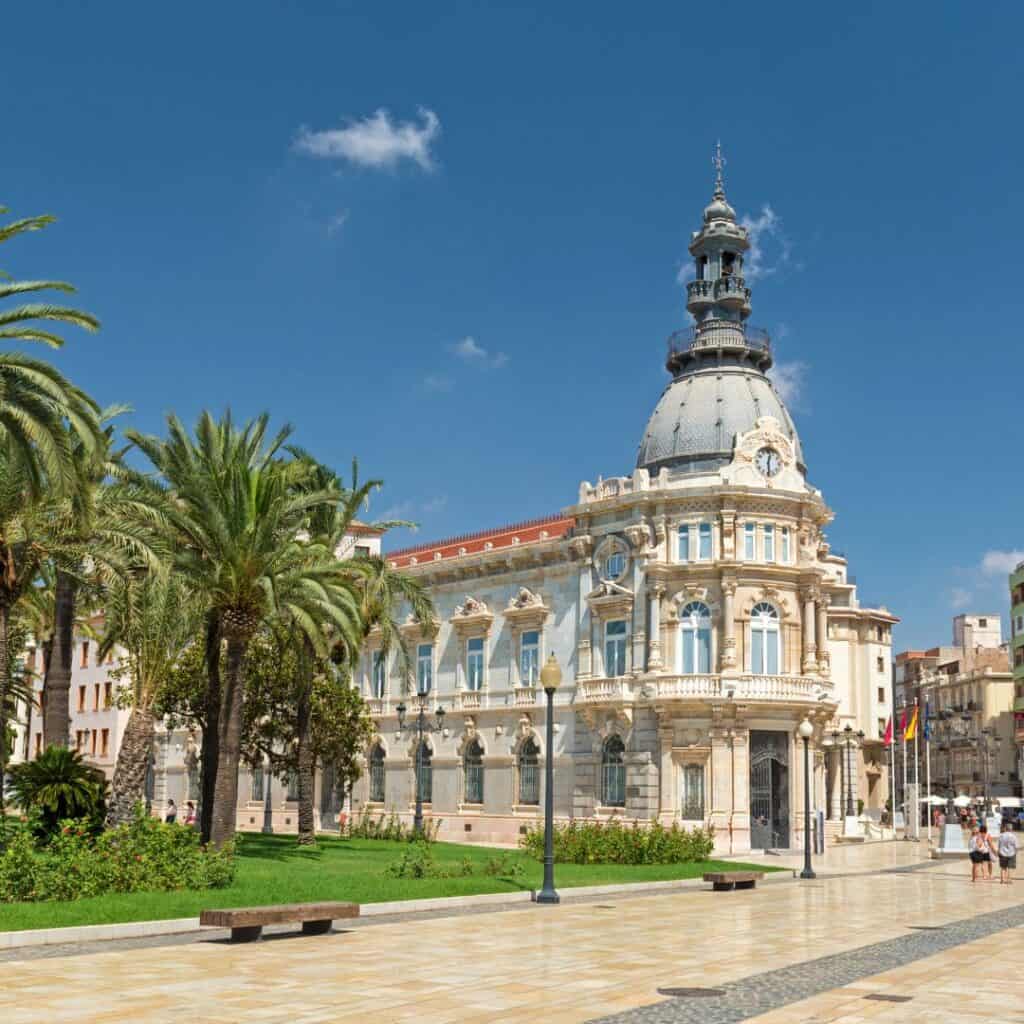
(272, 869)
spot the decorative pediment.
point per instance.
(687, 593)
(413, 629)
(773, 596)
(767, 433)
(606, 722)
(609, 599)
(472, 617)
(526, 608)
(469, 733)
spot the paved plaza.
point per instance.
(879, 924)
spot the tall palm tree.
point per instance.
(114, 522)
(381, 591)
(154, 617)
(239, 515)
(37, 403)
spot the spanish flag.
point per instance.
(912, 728)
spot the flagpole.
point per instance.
(928, 768)
(892, 777)
(917, 769)
(906, 816)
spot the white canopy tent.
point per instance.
(962, 801)
(1007, 801)
(935, 801)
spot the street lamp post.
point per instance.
(806, 730)
(550, 677)
(422, 726)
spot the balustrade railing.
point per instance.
(683, 687)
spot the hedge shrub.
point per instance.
(142, 855)
(595, 842)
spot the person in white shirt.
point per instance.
(1007, 847)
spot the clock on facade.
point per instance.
(768, 461)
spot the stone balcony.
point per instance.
(746, 688)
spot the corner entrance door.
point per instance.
(769, 790)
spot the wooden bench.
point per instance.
(724, 881)
(247, 923)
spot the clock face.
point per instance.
(768, 461)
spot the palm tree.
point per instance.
(239, 515)
(112, 522)
(59, 784)
(154, 617)
(380, 590)
(37, 403)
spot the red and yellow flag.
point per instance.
(887, 738)
(911, 731)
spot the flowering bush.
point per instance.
(142, 855)
(366, 826)
(594, 842)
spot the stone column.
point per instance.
(740, 775)
(667, 800)
(728, 656)
(719, 788)
(810, 662)
(824, 661)
(654, 628)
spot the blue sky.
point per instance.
(253, 232)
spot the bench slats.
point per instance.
(252, 917)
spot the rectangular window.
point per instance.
(880, 663)
(92, 745)
(81, 698)
(256, 792)
(749, 542)
(293, 786)
(982, 623)
(529, 658)
(104, 742)
(96, 696)
(362, 551)
(684, 544)
(108, 696)
(475, 663)
(785, 545)
(30, 659)
(39, 743)
(769, 543)
(615, 648)
(424, 668)
(881, 695)
(85, 654)
(693, 793)
(704, 550)
(380, 674)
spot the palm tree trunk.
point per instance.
(132, 762)
(304, 742)
(209, 750)
(225, 793)
(57, 682)
(5, 613)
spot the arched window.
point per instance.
(695, 624)
(764, 639)
(424, 774)
(613, 773)
(377, 774)
(473, 770)
(529, 772)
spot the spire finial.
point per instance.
(719, 163)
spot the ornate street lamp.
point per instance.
(550, 678)
(422, 726)
(806, 731)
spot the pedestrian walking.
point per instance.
(979, 851)
(1007, 848)
(172, 813)
(190, 814)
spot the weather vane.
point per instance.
(719, 163)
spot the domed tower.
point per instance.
(719, 365)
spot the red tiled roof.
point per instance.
(528, 532)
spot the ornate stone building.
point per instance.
(695, 606)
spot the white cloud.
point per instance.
(471, 352)
(770, 249)
(960, 597)
(788, 380)
(1001, 563)
(412, 511)
(375, 141)
(336, 223)
(437, 382)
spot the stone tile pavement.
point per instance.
(575, 962)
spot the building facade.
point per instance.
(695, 606)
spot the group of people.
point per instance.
(172, 813)
(984, 848)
